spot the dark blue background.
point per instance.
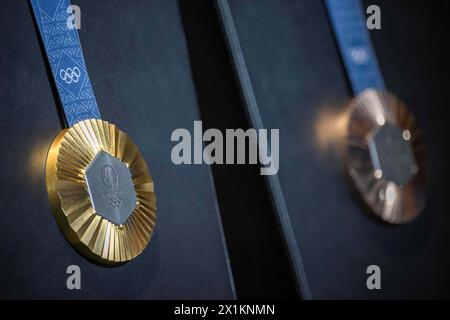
(154, 65)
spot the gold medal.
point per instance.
(384, 152)
(385, 156)
(100, 191)
(98, 184)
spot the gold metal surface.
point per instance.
(393, 202)
(94, 236)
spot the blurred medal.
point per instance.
(384, 153)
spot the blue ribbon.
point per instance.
(63, 49)
(351, 32)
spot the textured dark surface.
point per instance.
(138, 62)
(140, 70)
(260, 266)
(298, 76)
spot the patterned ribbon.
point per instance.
(63, 49)
(359, 57)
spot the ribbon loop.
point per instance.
(347, 20)
(65, 56)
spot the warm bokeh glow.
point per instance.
(331, 127)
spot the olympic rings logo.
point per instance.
(70, 75)
(359, 55)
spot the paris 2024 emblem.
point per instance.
(111, 182)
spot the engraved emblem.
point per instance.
(70, 75)
(109, 176)
(110, 188)
(359, 55)
(392, 155)
(110, 180)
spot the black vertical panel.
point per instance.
(258, 259)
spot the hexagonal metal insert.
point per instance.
(111, 188)
(392, 155)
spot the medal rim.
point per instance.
(141, 232)
(414, 192)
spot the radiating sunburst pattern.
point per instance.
(393, 202)
(96, 237)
